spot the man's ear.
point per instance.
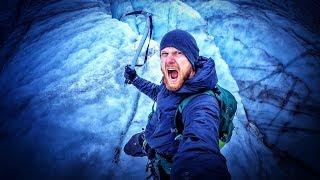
(193, 72)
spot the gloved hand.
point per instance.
(129, 74)
(137, 146)
(134, 146)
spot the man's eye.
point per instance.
(179, 52)
(164, 54)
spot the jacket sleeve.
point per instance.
(198, 155)
(148, 88)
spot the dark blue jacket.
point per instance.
(197, 155)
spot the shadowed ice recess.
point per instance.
(65, 111)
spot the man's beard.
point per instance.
(175, 87)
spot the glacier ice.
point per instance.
(65, 109)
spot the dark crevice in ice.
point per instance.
(280, 155)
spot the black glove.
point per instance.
(129, 74)
(134, 146)
(137, 146)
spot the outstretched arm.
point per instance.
(198, 156)
(148, 88)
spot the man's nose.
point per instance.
(171, 58)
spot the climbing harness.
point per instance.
(158, 167)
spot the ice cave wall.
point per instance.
(63, 63)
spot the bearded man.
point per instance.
(196, 155)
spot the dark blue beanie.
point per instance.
(184, 42)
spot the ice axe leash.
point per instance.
(147, 30)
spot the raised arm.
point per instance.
(198, 156)
(148, 88)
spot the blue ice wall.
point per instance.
(65, 112)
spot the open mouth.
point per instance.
(173, 74)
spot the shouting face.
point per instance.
(175, 67)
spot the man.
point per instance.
(185, 73)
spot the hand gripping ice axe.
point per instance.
(147, 30)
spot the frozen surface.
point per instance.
(65, 111)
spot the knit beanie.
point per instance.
(184, 42)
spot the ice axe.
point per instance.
(147, 30)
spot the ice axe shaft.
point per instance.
(142, 41)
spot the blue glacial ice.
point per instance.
(66, 112)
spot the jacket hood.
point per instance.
(205, 77)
